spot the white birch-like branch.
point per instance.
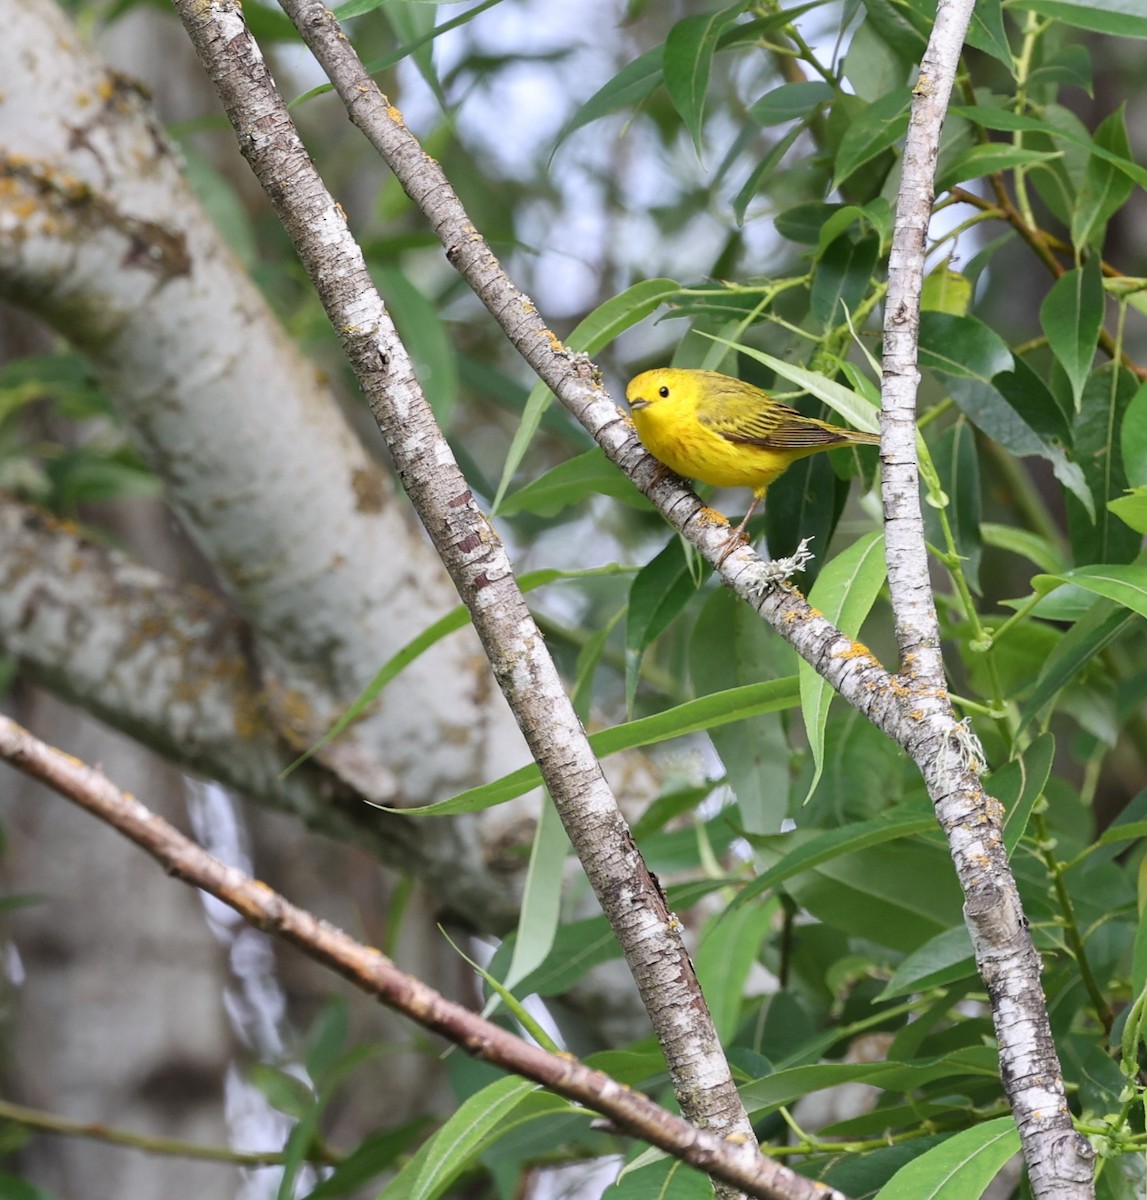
(101, 236)
(175, 668)
(1060, 1161)
(477, 562)
(736, 1163)
(912, 708)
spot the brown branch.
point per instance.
(735, 1162)
(478, 564)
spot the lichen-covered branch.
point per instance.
(1059, 1160)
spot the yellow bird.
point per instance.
(723, 431)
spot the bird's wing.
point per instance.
(773, 427)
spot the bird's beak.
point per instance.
(634, 405)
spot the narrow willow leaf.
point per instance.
(782, 1087)
(626, 89)
(689, 51)
(847, 403)
(879, 127)
(693, 716)
(845, 591)
(1123, 18)
(660, 591)
(988, 158)
(803, 853)
(1105, 187)
(570, 482)
(541, 898)
(457, 618)
(960, 1168)
(1126, 584)
(1071, 316)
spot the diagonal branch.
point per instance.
(737, 1163)
(911, 708)
(478, 564)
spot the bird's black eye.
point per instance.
(663, 392)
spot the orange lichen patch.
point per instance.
(916, 714)
(106, 88)
(394, 115)
(854, 650)
(555, 342)
(710, 516)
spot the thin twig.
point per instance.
(734, 1161)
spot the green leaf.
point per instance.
(1125, 584)
(971, 356)
(457, 618)
(541, 898)
(958, 1169)
(789, 102)
(423, 333)
(729, 946)
(374, 1155)
(731, 646)
(798, 851)
(842, 278)
(1020, 784)
(442, 1158)
(782, 1087)
(689, 50)
(1105, 187)
(1098, 536)
(1032, 546)
(1133, 439)
(570, 482)
(1073, 133)
(763, 172)
(660, 591)
(986, 32)
(845, 591)
(1071, 316)
(946, 290)
(1078, 647)
(325, 1040)
(988, 158)
(840, 399)
(693, 716)
(577, 948)
(1123, 18)
(958, 466)
(880, 126)
(283, 1091)
(597, 330)
(940, 961)
(626, 89)
(1035, 403)
(1132, 509)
